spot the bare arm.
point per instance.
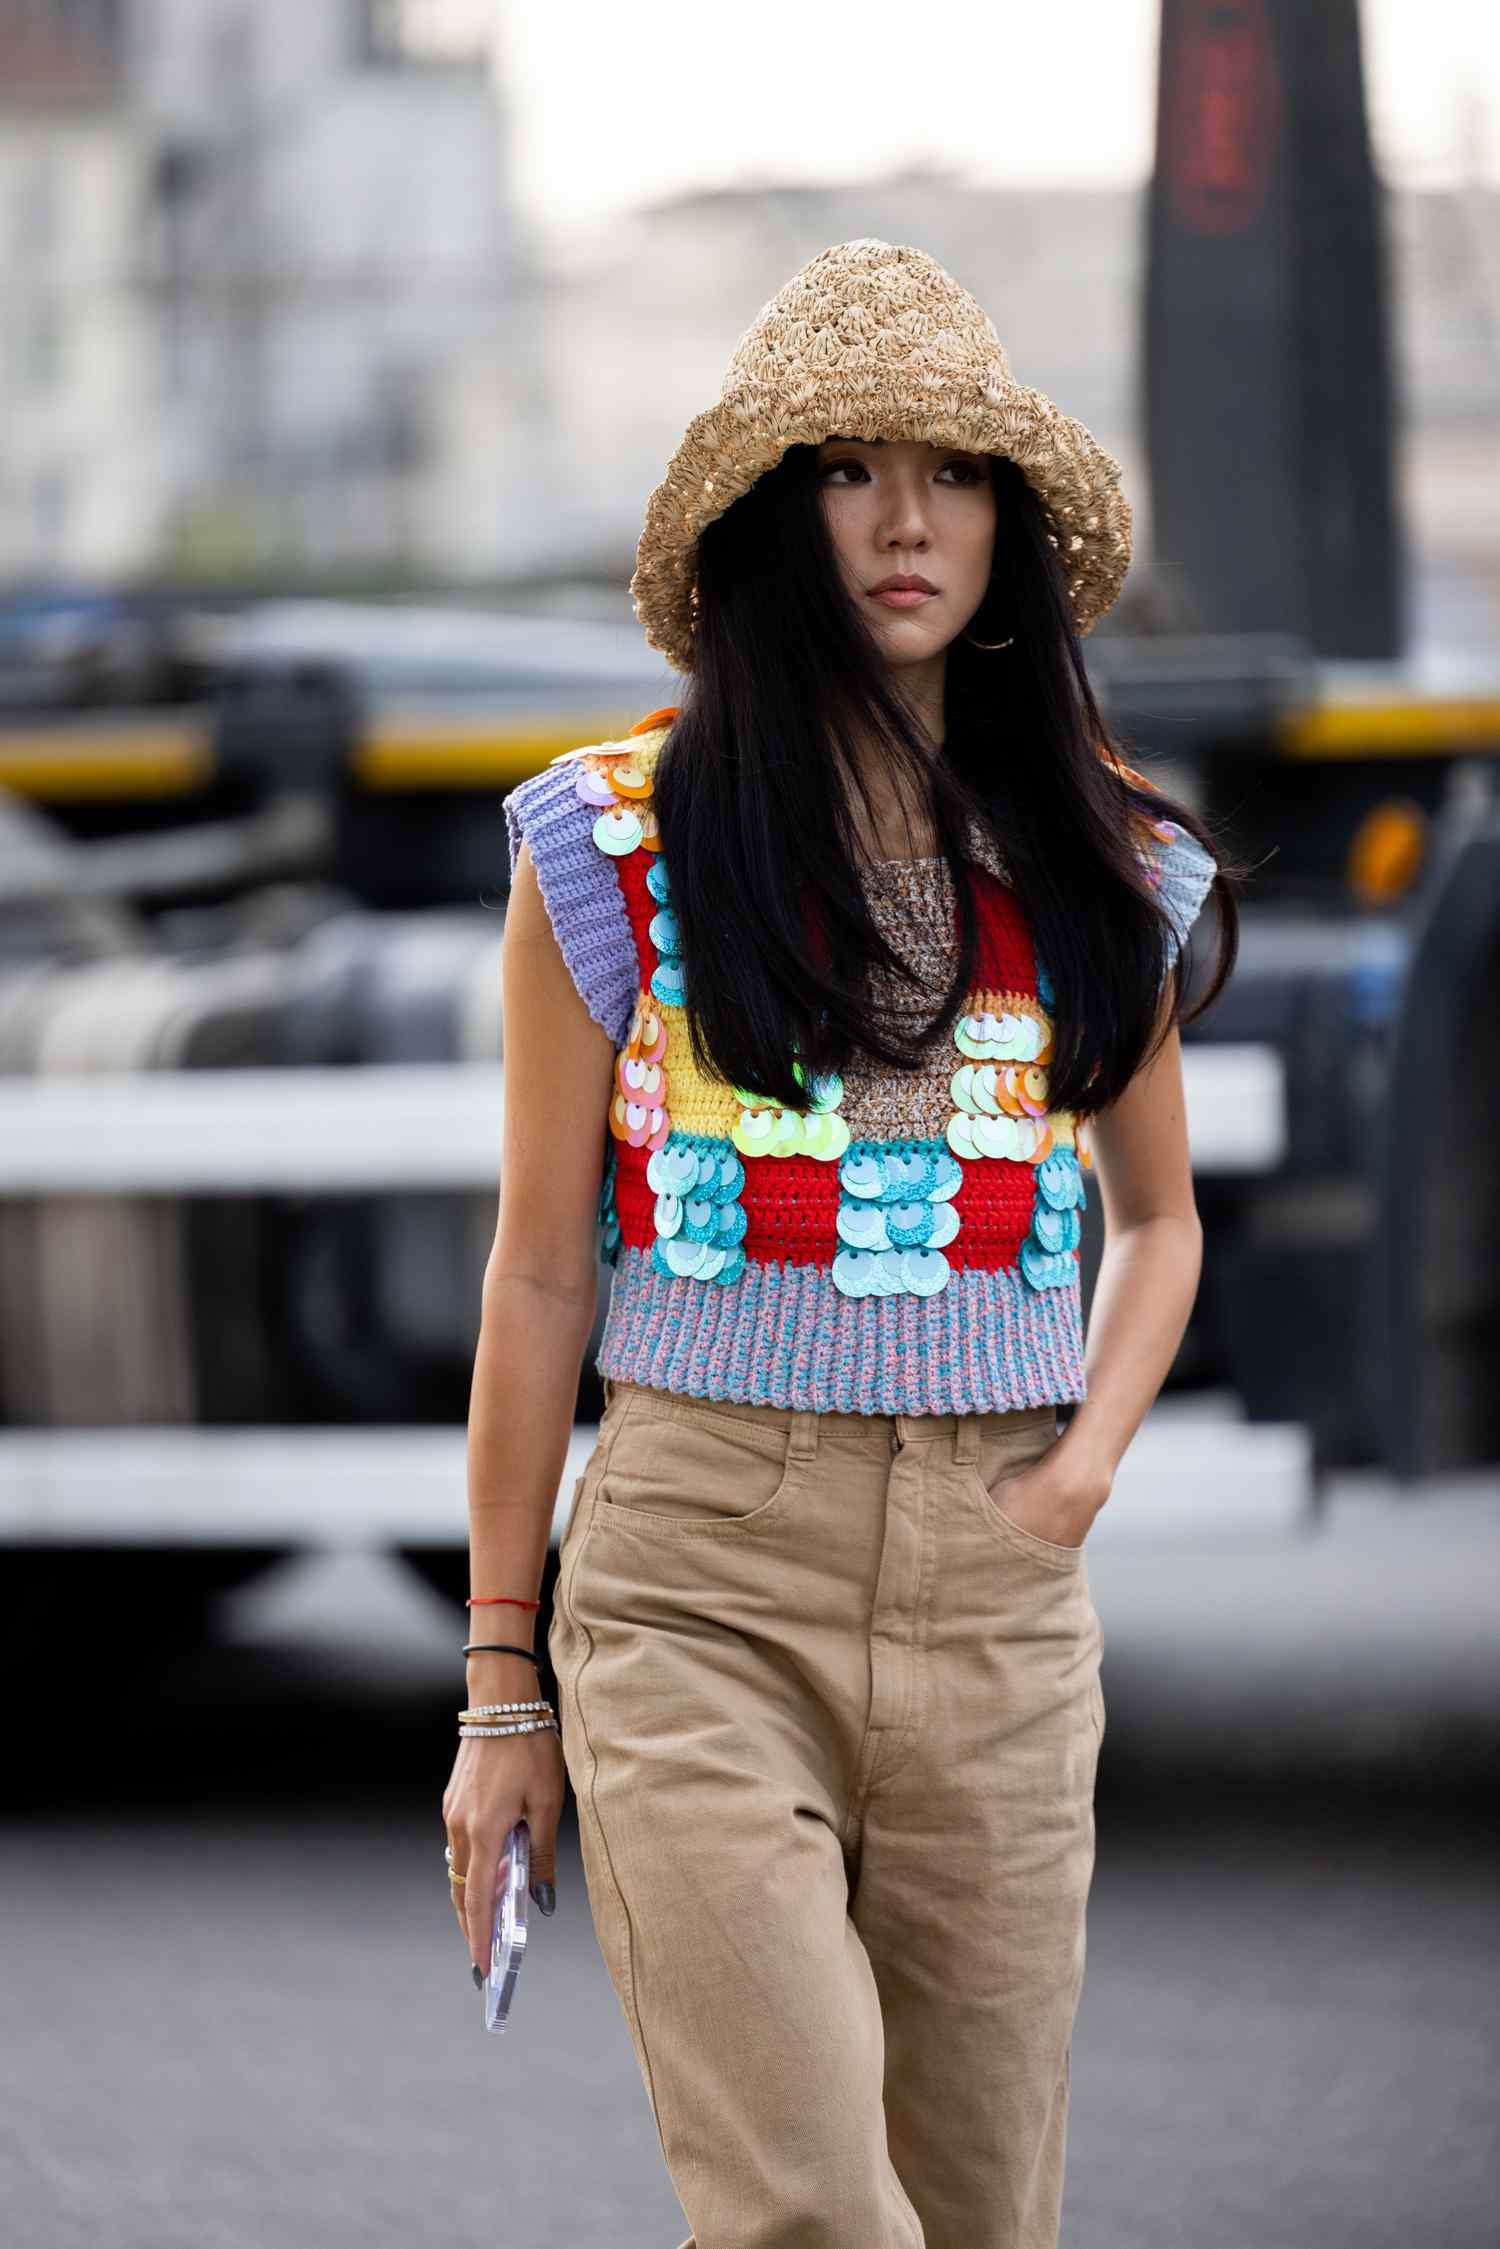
(537, 1309)
(1148, 1276)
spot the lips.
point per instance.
(900, 597)
(902, 582)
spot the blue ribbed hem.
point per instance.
(782, 1334)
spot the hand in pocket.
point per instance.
(1050, 1499)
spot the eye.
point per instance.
(974, 472)
(831, 468)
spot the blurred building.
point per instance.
(631, 338)
(271, 309)
(76, 349)
(233, 236)
(1447, 259)
(546, 462)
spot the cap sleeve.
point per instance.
(1183, 874)
(580, 891)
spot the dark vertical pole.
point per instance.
(1269, 406)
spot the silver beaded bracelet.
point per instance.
(488, 1733)
(503, 1709)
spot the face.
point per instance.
(898, 508)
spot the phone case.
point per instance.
(508, 1944)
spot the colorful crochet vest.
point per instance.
(906, 1241)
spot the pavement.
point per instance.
(238, 2011)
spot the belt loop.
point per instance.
(966, 1439)
(803, 1443)
(609, 1391)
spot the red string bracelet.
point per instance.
(484, 1600)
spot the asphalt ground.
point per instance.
(238, 2011)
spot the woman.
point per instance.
(824, 993)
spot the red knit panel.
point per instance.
(632, 867)
(791, 1204)
(994, 1206)
(1007, 961)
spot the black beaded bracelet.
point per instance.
(499, 1648)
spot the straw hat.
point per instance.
(872, 339)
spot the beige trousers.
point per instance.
(832, 1721)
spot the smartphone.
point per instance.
(508, 1943)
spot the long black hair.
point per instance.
(754, 792)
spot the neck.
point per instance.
(886, 831)
(921, 687)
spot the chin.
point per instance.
(907, 642)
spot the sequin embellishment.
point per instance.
(1047, 1259)
(895, 1218)
(764, 1128)
(616, 780)
(1001, 1110)
(606, 1216)
(1000, 1091)
(638, 1109)
(699, 1220)
(667, 983)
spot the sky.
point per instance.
(616, 105)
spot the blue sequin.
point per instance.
(664, 933)
(668, 983)
(895, 1217)
(1047, 1254)
(700, 1222)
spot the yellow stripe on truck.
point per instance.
(85, 758)
(430, 754)
(1425, 729)
(66, 765)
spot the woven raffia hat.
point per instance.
(872, 340)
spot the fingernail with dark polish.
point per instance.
(546, 1897)
(478, 1975)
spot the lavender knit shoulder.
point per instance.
(583, 899)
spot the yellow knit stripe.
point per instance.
(697, 1103)
(694, 1103)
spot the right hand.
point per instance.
(493, 1784)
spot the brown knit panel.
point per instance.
(912, 904)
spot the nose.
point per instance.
(903, 520)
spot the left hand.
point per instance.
(1056, 1499)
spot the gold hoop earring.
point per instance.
(973, 643)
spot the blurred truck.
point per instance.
(250, 1059)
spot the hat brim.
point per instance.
(733, 442)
